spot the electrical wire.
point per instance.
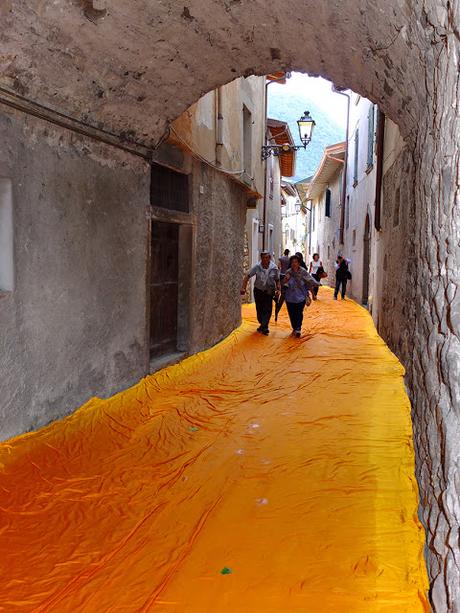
(203, 159)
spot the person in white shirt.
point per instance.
(316, 268)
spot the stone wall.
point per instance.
(396, 266)
(220, 214)
(419, 317)
(434, 370)
(74, 326)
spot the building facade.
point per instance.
(352, 210)
(213, 157)
(322, 194)
(294, 217)
(359, 227)
(120, 259)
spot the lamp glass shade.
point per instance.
(298, 206)
(306, 124)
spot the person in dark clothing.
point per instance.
(301, 260)
(266, 286)
(342, 275)
(283, 265)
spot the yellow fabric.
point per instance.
(266, 475)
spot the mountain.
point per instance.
(289, 107)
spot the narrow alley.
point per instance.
(266, 474)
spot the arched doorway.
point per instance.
(128, 69)
(366, 260)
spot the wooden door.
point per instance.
(164, 284)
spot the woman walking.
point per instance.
(298, 282)
(342, 275)
(316, 268)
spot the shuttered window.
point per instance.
(356, 159)
(328, 203)
(370, 137)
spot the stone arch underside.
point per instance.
(142, 64)
(133, 67)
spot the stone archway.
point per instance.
(129, 69)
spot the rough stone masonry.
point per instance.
(130, 68)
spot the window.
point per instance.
(247, 142)
(313, 217)
(347, 212)
(6, 236)
(355, 166)
(354, 238)
(270, 239)
(328, 203)
(169, 189)
(370, 137)
(328, 251)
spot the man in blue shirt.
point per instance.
(266, 286)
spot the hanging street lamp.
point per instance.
(305, 124)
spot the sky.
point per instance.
(301, 93)
(320, 90)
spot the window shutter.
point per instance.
(328, 203)
(355, 169)
(370, 136)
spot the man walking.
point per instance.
(266, 285)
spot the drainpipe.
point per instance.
(342, 92)
(219, 128)
(264, 213)
(309, 228)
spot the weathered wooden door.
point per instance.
(164, 288)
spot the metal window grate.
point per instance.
(169, 189)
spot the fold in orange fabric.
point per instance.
(265, 475)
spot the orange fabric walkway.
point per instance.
(266, 475)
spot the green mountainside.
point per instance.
(287, 107)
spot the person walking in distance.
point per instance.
(266, 286)
(298, 282)
(283, 265)
(342, 275)
(316, 268)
